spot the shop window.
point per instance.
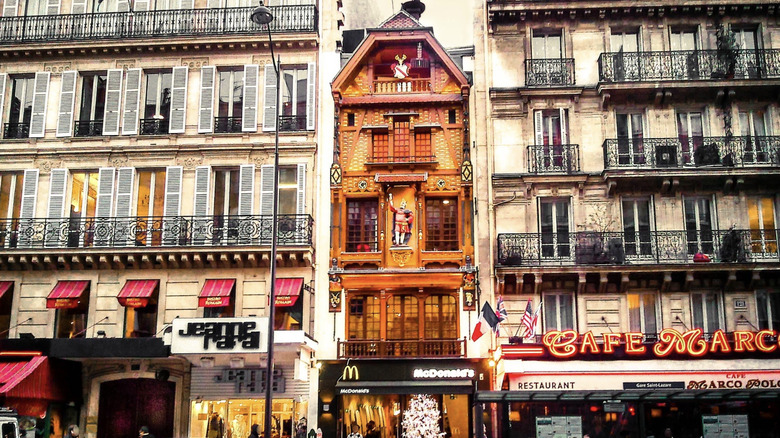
(768, 306)
(140, 308)
(228, 311)
(403, 317)
(441, 224)
(642, 314)
(441, 317)
(235, 417)
(361, 225)
(558, 311)
(288, 313)
(706, 310)
(72, 322)
(363, 317)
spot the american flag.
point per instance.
(528, 322)
(501, 312)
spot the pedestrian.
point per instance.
(254, 432)
(144, 433)
(668, 433)
(355, 431)
(372, 431)
(73, 431)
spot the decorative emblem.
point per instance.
(400, 70)
(401, 255)
(362, 184)
(334, 289)
(440, 183)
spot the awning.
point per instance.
(287, 291)
(136, 293)
(216, 293)
(66, 293)
(5, 286)
(27, 384)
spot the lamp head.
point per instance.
(262, 15)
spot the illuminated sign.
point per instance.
(433, 373)
(219, 335)
(350, 373)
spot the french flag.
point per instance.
(488, 320)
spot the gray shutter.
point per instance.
(301, 198)
(206, 110)
(311, 96)
(56, 224)
(10, 8)
(3, 81)
(67, 102)
(249, 116)
(132, 102)
(125, 179)
(78, 7)
(123, 6)
(174, 228)
(52, 7)
(40, 95)
(214, 4)
(103, 206)
(178, 115)
(269, 99)
(200, 206)
(564, 128)
(113, 102)
(246, 191)
(186, 4)
(266, 189)
(140, 5)
(538, 128)
(27, 226)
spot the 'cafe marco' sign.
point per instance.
(569, 344)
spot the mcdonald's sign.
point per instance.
(350, 373)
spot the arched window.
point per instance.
(363, 317)
(402, 317)
(441, 317)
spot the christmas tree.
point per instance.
(421, 420)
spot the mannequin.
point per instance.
(215, 426)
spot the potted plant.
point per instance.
(732, 248)
(596, 246)
(727, 53)
(707, 154)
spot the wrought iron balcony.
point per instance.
(292, 123)
(154, 126)
(398, 349)
(152, 24)
(225, 125)
(16, 130)
(556, 72)
(666, 153)
(690, 65)
(556, 158)
(408, 159)
(638, 247)
(88, 128)
(180, 231)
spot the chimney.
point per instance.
(415, 8)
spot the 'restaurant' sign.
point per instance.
(219, 335)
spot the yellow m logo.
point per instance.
(350, 373)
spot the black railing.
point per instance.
(16, 130)
(664, 153)
(292, 123)
(549, 72)
(186, 231)
(689, 65)
(405, 348)
(224, 125)
(555, 158)
(154, 126)
(638, 247)
(88, 128)
(152, 24)
(380, 159)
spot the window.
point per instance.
(452, 116)
(441, 224)
(763, 228)
(18, 126)
(698, 225)
(292, 180)
(690, 131)
(288, 190)
(624, 41)
(72, 322)
(441, 321)
(225, 207)
(157, 103)
(768, 306)
(422, 145)
(381, 145)
(361, 225)
(631, 149)
(363, 317)
(554, 226)
(546, 45)
(10, 207)
(636, 227)
(748, 41)
(149, 207)
(289, 317)
(753, 127)
(35, 7)
(642, 317)
(351, 119)
(293, 99)
(231, 101)
(141, 322)
(402, 318)
(547, 66)
(93, 103)
(83, 204)
(551, 153)
(684, 39)
(558, 311)
(705, 307)
(624, 46)
(227, 311)
(685, 59)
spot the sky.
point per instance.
(451, 19)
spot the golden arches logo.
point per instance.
(350, 373)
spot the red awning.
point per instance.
(4, 286)
(27, 384)
(216, 293)
(65, 294)
(287, 291)
(136, 293)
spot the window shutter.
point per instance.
(55, 211)
(123, 6)
(266, 189)
(206, 111)
(10, 8)
(246, 191)
(269, 99)
(141, 5)
(27, 207)
(178, 115)
(301, 199)
(125, 225)
(564, 130)
(311, 96)
(103, 206)
(538, 128)
(113, 102)
(78, 7)
(52, 7)
(186, 4)
(200, 206)
(132, 102)
(174, 228)
(3, 81)
(214, 4)
(67, 101)
(40, 94)
(249, 116)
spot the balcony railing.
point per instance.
(292, 123)
(154, 126)
(152, 24)
(689, 65)
(411, 159)
(665, 153)
(181, 231)
(225, 125)
(88, 128)
(638, 247)
(402, 86)
(556, 158)
(549, 72)
(406, 348)
(16, 130)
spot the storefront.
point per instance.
(722, 385)
(384, 392)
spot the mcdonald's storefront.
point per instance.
(359, 391)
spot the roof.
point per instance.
(401, 20)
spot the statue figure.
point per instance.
(403, 219)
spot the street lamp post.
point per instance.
(262, 15)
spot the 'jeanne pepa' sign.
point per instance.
(219, 335)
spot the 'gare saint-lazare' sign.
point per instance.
(569, 344)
